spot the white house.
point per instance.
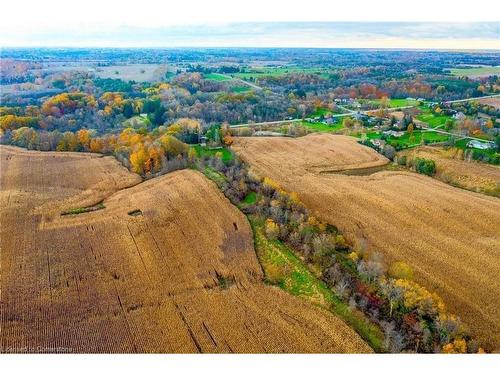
(480, 145)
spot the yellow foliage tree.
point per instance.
(271, 183)
(83, 136)
(192, 154)
(353, 256)
(138, 159)
(155, 156)
(312, 221)
(400, 270)
(457, 346)
(96, 145)
(14, 122)
(272, 229)
(417, 297)
(172, 146)
(228, 140)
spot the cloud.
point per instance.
(275, 34)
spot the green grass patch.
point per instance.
(240, 89)
(81, 210)
(394, 103)
(216, 77)
(201, 151)
(251, 198)
(325, 112)
(280, 71)
(321, 112)
(408, 140)
(215, 176)
(135, 212)
(373, 135)
(476, 71)
(282, 267)
(432, 119)
(137, 122)
(320, 127)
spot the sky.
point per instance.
(258, 23)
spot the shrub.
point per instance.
(401, 160)
(272, 229)
(425, 166)
(275, 273)
(456, 347)
(400, 270)
(389, 152)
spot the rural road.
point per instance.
(242, 81)
(298, 120)
(346, 109)
(248, 83)
(265, 123)
(469, 99)
(351, 112)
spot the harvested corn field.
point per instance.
(452, 169)
(166, 265)
(448, 235)
(314, 153)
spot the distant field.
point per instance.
(20, 87)
(320, 127)
(494, 102)
(216, 77)
(394, 103)
(476, 72)
(133, 72)
(448, 235)
(278, 71)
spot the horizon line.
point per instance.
(249, 47)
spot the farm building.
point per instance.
(480, 145)
(265, 133)
(394, 133)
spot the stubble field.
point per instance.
(167, 265)
(448, 235)
(474, 176)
